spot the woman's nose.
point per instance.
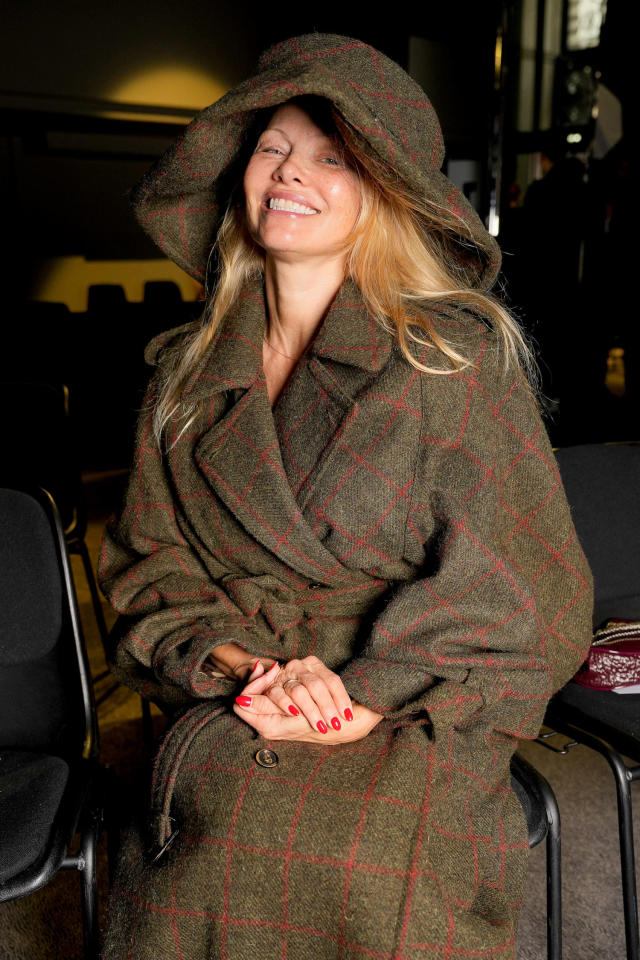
(290, 169)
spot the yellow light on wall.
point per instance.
(171, 85)
(67, 279)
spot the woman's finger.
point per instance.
(310, 695)
(278, 694)
(258, 670)
(258, 683)
(267, 719)
(340, 696)
(343, 707)
(256, 707)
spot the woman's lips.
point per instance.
(290, 206)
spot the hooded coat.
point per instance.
(410, 530)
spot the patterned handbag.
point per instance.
(613, 662)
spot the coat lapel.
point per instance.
(319, 404)
(265, 464)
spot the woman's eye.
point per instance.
(332, 161)
(271, 150)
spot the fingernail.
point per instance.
(347, 714)
(293, 710)
(255, 667)
(244, 701)
(322, 727)
(273, 666)
(335, 723)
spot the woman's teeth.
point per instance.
(276, 203)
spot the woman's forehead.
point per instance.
(290, 114)
(314, 114)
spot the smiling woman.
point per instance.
(297, 172)
(302, 204)
(345, 565)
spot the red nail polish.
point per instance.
(322, 727)
(244, 701)
(255, 667)
(335, 723)
(347, 714)
(293, 710)
(272, 667)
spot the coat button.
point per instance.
(266, 758)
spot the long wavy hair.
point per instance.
(405, 252)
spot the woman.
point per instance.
(345, 561)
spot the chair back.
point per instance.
(602, 482)
(39, 446)
(46, 701)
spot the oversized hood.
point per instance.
(181, 199)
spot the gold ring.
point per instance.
(284, 685)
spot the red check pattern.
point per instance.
(412, 531)
(181, 200)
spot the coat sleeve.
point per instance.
(173, 610)
(498, 615)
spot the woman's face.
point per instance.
(301, 199)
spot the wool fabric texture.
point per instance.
(411, 531)
(181, 199)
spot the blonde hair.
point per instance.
(404, 252)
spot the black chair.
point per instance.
(543, 821)
(603, 488)
(50, 779)
(41, 449)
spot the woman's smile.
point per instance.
(283, 203)
(302, 199)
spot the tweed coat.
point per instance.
(412, 531)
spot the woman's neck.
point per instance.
(298, 296)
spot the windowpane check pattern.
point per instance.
(409, 529)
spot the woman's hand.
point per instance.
(303, 700)
(234, 662)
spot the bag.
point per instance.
(613, 662)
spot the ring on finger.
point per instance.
(293, 710)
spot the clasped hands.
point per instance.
(302, 700)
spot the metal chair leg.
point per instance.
(89, 887)
(535, 785)
(79, 546)
(554, 881)
(627, 857)
(623, 777)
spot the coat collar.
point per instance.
(240, 453)
(349, 336)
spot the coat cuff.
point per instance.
(396, 690)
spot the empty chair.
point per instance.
(50, 779)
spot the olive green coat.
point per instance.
(411, 530)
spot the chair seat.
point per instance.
(616, 714)
(31, 789)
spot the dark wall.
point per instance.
(71, 48)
